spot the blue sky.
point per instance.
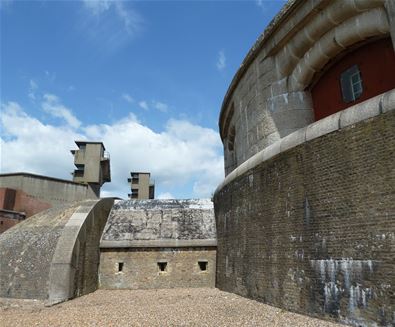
(145, 77)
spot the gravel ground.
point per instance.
(166, 307)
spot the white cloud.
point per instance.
(111, 23)
(127, 98)
(32, 89)
(144, 105)
(184, 156)
(221, 62)
(97, 7)
(260, 4)
(51, 104)
(160, 106)
(29, 145)
(165, 195)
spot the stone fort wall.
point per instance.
(305, 215)
(159, 244)
(270, 95)
(312, 229)
(140, 267)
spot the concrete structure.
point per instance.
(141, 186)
(159, 244)
(305, 216)
(54, 255)
(92, 163)
(46, 191)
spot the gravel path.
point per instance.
(166, 307)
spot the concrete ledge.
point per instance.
(370, 108)
(157, 243)
(360, 112)
(324, 126)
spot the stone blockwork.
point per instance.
(270, 95)
(312, 228)
(140, 267)
(159, 244)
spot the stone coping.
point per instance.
(158, 243)
(370, 108)
(64, 265)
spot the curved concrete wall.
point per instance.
(269, 97)
(54, 255)
(308, 223)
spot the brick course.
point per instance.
(312, 230)
(140, 268)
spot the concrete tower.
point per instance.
(141, 186)
(92, 163)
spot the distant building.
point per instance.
(92, 164)
(24, 194)
(141, 186)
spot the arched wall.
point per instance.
(269, 97)
(305, 215)
(308, 223)
(54, 255)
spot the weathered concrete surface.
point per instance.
(312, 229)
(160, 220)
(142, 234)
(55, 254)
(74, 267)
(26, 252)
(50, 190)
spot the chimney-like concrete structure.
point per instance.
(92, 163)
(141, 186)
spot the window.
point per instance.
(162, 265)
(134, 194)
(79, 172)
(203, 265)
(120, 266)
(351, 84)
(135, 178)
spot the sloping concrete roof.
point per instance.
(160, 223)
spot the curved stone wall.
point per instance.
(54, 255)
(308, 224)
(269, 97)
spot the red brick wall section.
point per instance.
(29, 204)
(6, 223)
(18, 201)
(376, 62)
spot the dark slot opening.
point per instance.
(203, 265)
(162, 266)
(120, 266)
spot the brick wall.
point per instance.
(140, 268)
(312, 230)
